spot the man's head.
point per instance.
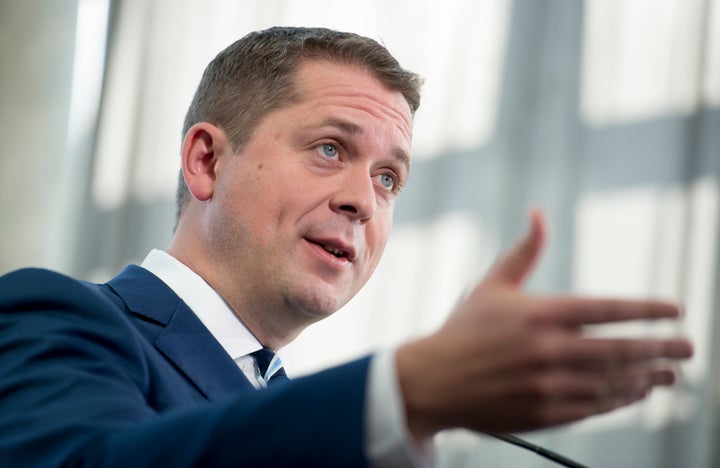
(257, 74)
(291, 205)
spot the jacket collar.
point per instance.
(178, 334)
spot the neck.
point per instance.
(268, 327)
(273, 321)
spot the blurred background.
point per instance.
(604, 113)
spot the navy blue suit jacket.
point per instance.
(124, 374)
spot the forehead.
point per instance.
(327, 84)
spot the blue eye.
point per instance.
(387, 181)
(328, 150)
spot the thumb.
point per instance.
(516, 265)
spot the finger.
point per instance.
(592, 394)
(517, 264)
(606, 393)
(625, 382)
(564, 412)
(569, 385)
(662, 377)
(618, 353)
(574, 312)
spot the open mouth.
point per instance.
(335, 251)
(334, 247)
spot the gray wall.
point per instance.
(36, 51)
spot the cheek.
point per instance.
(242, 202)
(377, 236)
(253, 191)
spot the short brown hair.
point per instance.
(256, 75)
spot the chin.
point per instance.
(316, 306)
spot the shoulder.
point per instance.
(37, 287)
(40, 302)
(53, 320)
(29, 277)
(34, 279)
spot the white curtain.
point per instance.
(605, 113)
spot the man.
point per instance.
(296, 145)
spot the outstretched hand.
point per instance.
(507, 361)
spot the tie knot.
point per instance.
(269, 365)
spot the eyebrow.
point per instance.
(348, 127)
(343, 125)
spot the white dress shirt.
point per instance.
(387, 441)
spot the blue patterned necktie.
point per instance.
(270, 366)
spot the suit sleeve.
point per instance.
(77, 388)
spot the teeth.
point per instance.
(333, 250)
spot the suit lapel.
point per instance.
(178, 334)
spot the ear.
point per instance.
(202, 147)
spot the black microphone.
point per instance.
(549, 454)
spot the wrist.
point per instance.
(417, 387)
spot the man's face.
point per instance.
(301, 215)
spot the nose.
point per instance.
(355, 196)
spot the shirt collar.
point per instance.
(205, 303)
